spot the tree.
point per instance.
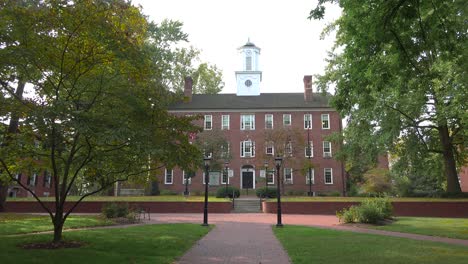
(287, 143)
(213, 143)
(377, 181)
(399, 66)
(98, 109)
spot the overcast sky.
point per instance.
(290, 43)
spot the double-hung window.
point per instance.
(327, 152)
(328, 174)
(225, 122)
(168, 177)
(310, 176)
(247, 149)
(286, 119)
(308, 121)
(225, 177)
(186, 178)
(309, 150)
(288, 176)
(325, 121)
(269, 148)
(47, 179)
(208, 122)
(270, 175)
(268, 121)
(288, 151)
(247, 122)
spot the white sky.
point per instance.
(290, 43)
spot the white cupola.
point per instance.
(249, 78)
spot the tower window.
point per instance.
(248, 63)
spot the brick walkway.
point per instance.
(322, 221)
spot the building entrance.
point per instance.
(247, 180)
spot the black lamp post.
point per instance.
(278, 161)
(309, 155)
(226, 171)
(207, 179)
(265, 164)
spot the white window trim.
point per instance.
(183, 179)
(252, 149)
(311, 149)
(284, 175)
(165, 177)
(272, 148)
(313, 176)
(272, 174)
(272, 123)
(252, 127)
(327, 154)
(222, 177)
(290, 119)
(310, 121)
(328, 119)
(228, 122)
(325, 175)
(211, 122)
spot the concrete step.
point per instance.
(247, 206)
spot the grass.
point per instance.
(139, 244)
(360, 199)
(160, 198)
(313, 245)
(27, 223)
(444, 227)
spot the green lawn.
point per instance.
(27, 223)
(360, 199)
(139, 244)
(313, 245)
(444, 227)
(161, 198)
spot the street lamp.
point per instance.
(226, 171)
(265, 164)
(207, 179)
(309, 155)
(278, 161)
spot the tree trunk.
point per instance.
(453, 185)
(12, 129)
(58, 226)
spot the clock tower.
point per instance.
(248, 80)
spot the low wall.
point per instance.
(95, 207)
(427, 209)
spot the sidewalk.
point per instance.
(320, 221)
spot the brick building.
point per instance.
(40, 183)
(246, 117)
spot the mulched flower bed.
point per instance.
(52, 245)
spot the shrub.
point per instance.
(349, 215)
(333, 193)
(227, 192)
(369, 211)
(167, 192)
(113, 210)
(109, 210)
(262, 192)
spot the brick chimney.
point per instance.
(188, 89)
(308, 88)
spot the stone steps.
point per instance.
(247, 206)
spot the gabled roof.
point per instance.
(262, 101)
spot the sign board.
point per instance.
(230, 173)
(214, 178)
(262, 174)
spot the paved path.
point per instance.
(321, 221)
(237, 242)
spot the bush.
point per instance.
(369, 211)
(330, 194)
(167, 192)
(113, 210)
(227, 192)
(262, 192)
